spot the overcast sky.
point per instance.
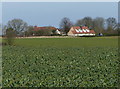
(51, 13)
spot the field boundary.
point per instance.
(65, 37)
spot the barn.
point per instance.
(81, 31)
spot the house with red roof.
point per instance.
(47, 29)
(81, 31)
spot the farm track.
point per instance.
(64, 37)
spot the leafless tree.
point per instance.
(65, 25)
(79, 23)
(98, 24)
(18, 25)
(87, 21)
(111, 23)
(29, 31)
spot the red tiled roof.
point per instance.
(76, 27)
(43, 28)
(83, 30)
(92, 31)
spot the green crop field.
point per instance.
(61, 62)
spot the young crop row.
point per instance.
(60, 67)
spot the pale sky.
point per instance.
(51, 13)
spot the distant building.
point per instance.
(81, 31)
(54, 31)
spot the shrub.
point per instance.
(10, 35)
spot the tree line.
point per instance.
(107, 26)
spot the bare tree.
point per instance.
(29, 31)
(79, 23)
(87, 21)
(111, 23)
(65, 25)
(18, 25)
(98, 24)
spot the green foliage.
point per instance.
(110, 32)
(52, 65)
(10, 35)
(44, 32)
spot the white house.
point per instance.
(81, 31)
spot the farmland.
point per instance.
(61, 62)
